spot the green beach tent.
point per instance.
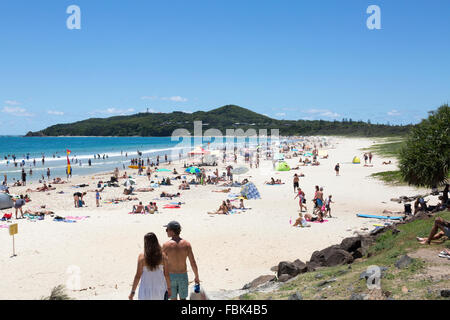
(282, 166)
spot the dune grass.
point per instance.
(390, 177)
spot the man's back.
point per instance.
(177, 252)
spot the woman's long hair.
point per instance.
(152, 251)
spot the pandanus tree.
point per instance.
(425, 158)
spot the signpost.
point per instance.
(13, 229)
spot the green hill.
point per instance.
(226, 117)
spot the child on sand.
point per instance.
(301, 222)
(327, 206)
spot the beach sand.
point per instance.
(231, 250)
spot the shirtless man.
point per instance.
(177, 251)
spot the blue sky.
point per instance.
(286, 59)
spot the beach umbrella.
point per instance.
(129, 182)
(192, 170)
(239, 170)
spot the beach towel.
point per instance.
(4, 226)
(171, 206)
(78, 217)
(177, 203)
(7, 216)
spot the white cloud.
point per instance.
(17, 111)
(280, 114)
(56, 113)
(12, 102)
(393, 112)
(174, 98)
(113, 111)
(323, 112)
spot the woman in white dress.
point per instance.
(152, 272)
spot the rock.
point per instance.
(357, 296)
(341, 272)
(284, 278)
(359, 253)
(445, 293)
(403, 262)
(259, 281)
(351, 244)
(296, 296)
(274, 269)
(321, 284)
(301, 266)
(312, 266)
(285, 267)
(331, 256)
(318, 276)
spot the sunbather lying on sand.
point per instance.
(223, 191)
(223, 209)
(58, 181)
(309, 217)
(273, 181)
(124, 199)
(38, 213)
(169, 195)
(144, 190)
(42, 189)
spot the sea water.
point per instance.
(119, 151)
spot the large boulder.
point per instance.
(286, 267)
(351, 244)
(284, 278)
(311, 266)
(301, 266)
(331, 256)
(259, 281)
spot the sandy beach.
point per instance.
(231, 250)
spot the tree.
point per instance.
(425, 158)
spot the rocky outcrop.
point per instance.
(331, 256)
(259, 281)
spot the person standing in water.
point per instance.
(152, 272)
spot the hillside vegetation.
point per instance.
(226, 117)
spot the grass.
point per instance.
(390, 177)
(386, 149)
(58, 293)
(384, 253)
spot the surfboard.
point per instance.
(135, 167)
(378, 217)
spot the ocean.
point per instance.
(118, 152)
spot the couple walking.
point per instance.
(163, 271)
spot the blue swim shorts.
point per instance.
(179, 283)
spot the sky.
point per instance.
(285, 59)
